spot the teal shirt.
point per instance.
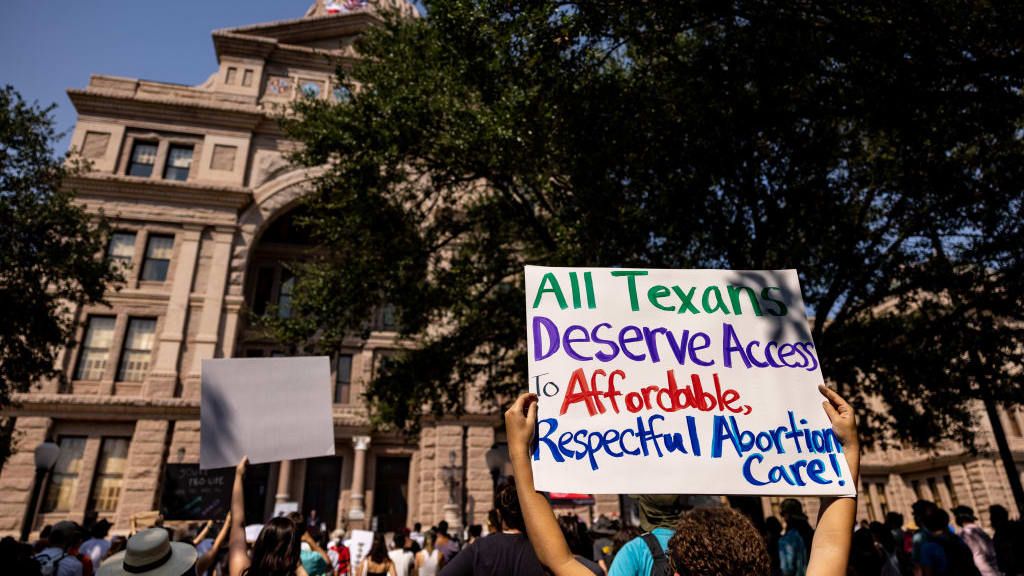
(634, 559)
(314, 563)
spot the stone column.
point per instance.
(18, 474)
(284, 481)
(357, 509)
(163, 377)
(213, 304)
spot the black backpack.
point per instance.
(660, 566)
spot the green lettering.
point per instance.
(634, 302)
(552, 283)
(766, 295)
(719, 302)
(657, 292)
(734, 297)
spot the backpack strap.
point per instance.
(660, 566)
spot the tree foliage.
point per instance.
(50, 248)
(873, 146)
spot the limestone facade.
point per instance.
(196, 183)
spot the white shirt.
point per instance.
(402, 560)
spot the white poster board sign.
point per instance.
(359, 546)
(677, 382)
(268, 409)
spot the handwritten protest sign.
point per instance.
(269, 409)
(193, 494)
(677, 381)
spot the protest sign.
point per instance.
(268, 409)
(677, 381)
(193, 494)
(359, 545)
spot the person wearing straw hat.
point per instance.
(151, 553)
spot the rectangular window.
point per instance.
(64, 478)
(869, 503)
(138, 345)
(232, 73)
(954, 501)
(92, 361)
(142, 160)
(179, 161)
(883, 502)
(284, 295)
(106, 486)
(264, 288)
(122, 248)
(247, 77)
(158, 257)
(343, 379)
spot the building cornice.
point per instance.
(308, 29)
(172, 109)
(112, 186)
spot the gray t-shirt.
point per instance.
(66, 565)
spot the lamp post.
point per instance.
(496, 458)
(46, 455)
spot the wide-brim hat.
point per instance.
(151, 553)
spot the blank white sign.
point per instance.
(268, 409)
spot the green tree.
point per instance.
(50, 250)
(873, 146)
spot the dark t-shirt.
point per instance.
(498, 554)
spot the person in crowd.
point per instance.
(417, 534)
(505, 552)
(16, 557)
(428, 560)
(150, 552)
(493, 521)
(888, 549)
(276, 551)
(117, 544)
(901, 540)
(448, 547)
(601, 534)
(659, 514)
(982, 547)
(341, 558)
(795, 544)
(772, 535)
(97, 546)
(707, 541)
(473, 533)
(314, 559)
(919, 511)
(54, 559)
(401, 555)
(1007, 540)
(943, 553)
(377, 562)
(866, 557)
(75, 550)
(208, 554)
(575, 534)
(622, 536)
(44, 539)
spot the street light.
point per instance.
(496, 458)
(46, 458)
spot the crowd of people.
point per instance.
(523, 536)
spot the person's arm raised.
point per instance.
(202, 533)
(238, 559)
(541, 527)
(206, 560)
(830, 549)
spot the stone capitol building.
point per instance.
(202, 200)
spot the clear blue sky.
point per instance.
(48, 46)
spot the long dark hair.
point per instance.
(276, 552)
(379, 551)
